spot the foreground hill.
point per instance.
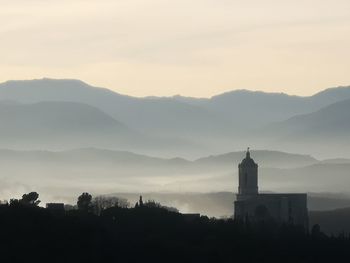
(152, 233)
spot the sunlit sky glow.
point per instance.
(188, 47)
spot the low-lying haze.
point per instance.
(64, 137)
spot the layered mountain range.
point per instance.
(65, 114)
(62, 137)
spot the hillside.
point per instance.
(265, 158)
(90, 156)
(58, 125)
(56, 116)
(152, 115)
(331, 120)
(250, 109)
(192, 127)
(324, 132)
(255, 108)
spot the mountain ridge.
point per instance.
(225, 121)
(82, 83)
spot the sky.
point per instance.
(190, 47)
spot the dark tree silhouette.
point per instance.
(316, 232)
(101, 203)
(30, 199)
(85, 202)
(154, 204)
(156, 234)
(14, 202)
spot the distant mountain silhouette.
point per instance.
(58, 124)
(332, 95)
(265, 158)
(57, 116)
(85, 156)
(319, 177)
(192, 127)
(329, 121)
(256, 108)
(325, 131)
(153, 114)
(91, 156)
(168, 113)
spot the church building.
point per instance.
(252, 206)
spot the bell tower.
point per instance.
(247, 177)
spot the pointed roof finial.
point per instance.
(140, 201)
(248, 153)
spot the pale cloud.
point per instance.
(162, 47)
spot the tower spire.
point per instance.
(248, 176)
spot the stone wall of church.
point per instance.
(281, 208)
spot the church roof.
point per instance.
(247, 161)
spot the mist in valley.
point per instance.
(64, 137)
(206, 185)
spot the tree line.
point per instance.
(110, 229)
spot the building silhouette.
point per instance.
(252, 206)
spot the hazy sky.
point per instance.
(189, 47)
